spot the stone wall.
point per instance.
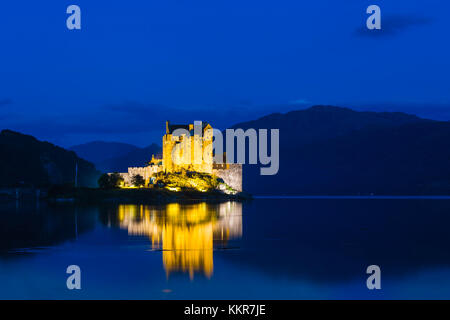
(126, 178)
(231, 176)
(144, 172)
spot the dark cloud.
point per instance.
(5, 102)
(132, 122)
(143, 124)
(392, 25)
(132, 107)
(246, 102)
(116, 121)
(153, 115)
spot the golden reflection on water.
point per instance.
(186, 233)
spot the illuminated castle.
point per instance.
(188, 147)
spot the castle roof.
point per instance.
(172, 127)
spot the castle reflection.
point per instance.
(186, 233)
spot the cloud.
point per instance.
(300, 101)
(120, 121)
(144, 123)
(246, 102)
(133, 122)
(131, 107)
(5, 102)
(392, 25)
(141, 115)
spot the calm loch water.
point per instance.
(263, 249)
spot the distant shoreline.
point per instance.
(145, 195)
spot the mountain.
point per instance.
(328, 150)
(98, 151)
(323, 122)
(28, 161)
(331, 150)
(136, 158)
(115, 156)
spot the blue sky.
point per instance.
(136, 63)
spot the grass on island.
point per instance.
(190, 181)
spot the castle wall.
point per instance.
(231, 176)
(145, 172)
(126, 178)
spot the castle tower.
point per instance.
(199, 157)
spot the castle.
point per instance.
(187, 147)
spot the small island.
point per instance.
(187, 170)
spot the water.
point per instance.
(264, 249)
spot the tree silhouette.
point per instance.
(137, 180)
(109, 181)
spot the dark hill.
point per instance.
(28, 161)
(330, 150)
(136, 158)
(98, 151)
(324, 122)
